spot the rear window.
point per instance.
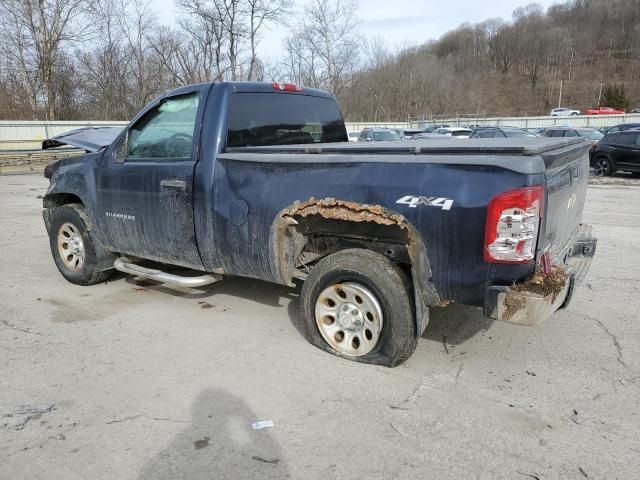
(518, 133)
(390, 135)
(590, 134)
(260, 119)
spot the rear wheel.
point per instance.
(73, 247)
(602, 167)
(356, 304)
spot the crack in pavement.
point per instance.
(613, 338)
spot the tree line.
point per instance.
(105, 59)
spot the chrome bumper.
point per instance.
(527, 308)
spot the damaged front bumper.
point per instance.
(517, 304)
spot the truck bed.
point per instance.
(537, 154)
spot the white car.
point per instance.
(564, 112)
(453, 132)
(353, 136)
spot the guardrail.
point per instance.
(29, 134)
(21, 161)
(594, 121)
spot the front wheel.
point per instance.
(602, 167)
(73, 246)
(356, 304)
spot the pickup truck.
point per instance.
(258, 180)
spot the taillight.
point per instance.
(513, 220)
(286, 87)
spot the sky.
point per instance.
(399, 22)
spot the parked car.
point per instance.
(353, 136)
(432, 128)
(378, 135)
(537, 131)
(453, 132)
(604, 111)
(589, 133)
(635, 110)
(407, 133)
(377, 234)
(500, 132)
(616, 151)
(620, 128)
(563, 112)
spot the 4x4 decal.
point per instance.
(413, 202)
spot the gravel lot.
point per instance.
(136, 381)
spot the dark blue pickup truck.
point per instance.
(258, 180)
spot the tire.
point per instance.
(602, 167)
(381, 293)
(73, 246)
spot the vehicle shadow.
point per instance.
(455, 324)
(220, 443)
(266, 293)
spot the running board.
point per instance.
(124, 264)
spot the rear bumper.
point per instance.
(517, 305)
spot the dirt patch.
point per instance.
(539, 283)
(512, 304)
(544, 285)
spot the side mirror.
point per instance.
(120, 150)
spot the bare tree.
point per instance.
(41, 29)
(323, 49)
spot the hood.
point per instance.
(91, 139)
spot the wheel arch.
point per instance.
(607, 157)
(305, 232)
(54, 200)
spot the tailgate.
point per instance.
(567, 176)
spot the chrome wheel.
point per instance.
(349, 318)
(71, 247)
(602, 168)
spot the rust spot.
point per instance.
(331, 208)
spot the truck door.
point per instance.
(145, 184)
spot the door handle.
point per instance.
(177, 184)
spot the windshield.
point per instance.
(260, 119)
(386, 135)
(590, 134)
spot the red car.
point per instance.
(604, 111)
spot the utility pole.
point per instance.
(560, 95)
(600, 94)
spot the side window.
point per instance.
(556, 133)
(570, 133)
(630, 138)
(166, 131)
(363, 135)
(613, 138)
(614, 129)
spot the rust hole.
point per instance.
(355, 343)
(329, 303)
(358, 299)
(341, 293)
(328, 320)
(370, 316)
(368, 335)
(339, 336)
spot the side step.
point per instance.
(126, 265)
